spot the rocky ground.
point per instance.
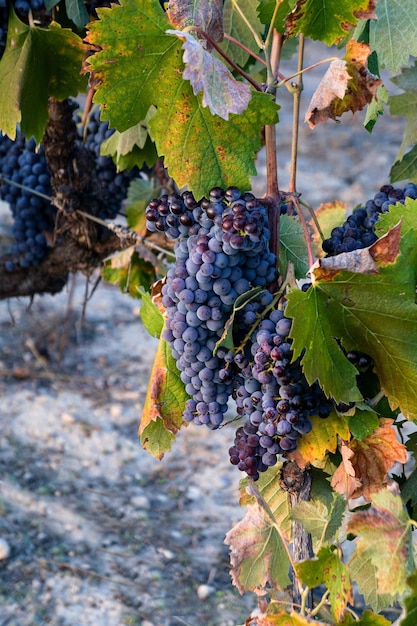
(93, 531)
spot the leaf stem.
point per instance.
(232, 64)
(321, 604)
(296, 117)
(374, 401)
(307, 69)
(305, 230)
(245, 48)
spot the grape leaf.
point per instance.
(366, 463)
(77, 12)
(406, 168)
(373, 313)
(375, 108)
(405, 104)
(326, 20)
(329, 570)
(282, 618)
(266, 12)
(221, 155)
(320, 521)
(323, 437)
(206, 14)
(292, 247)
(362, 423)
(276, 499)
(206, 73)
(367, 619)
(37, 63)
(257, 553)
(164, 404)
(121, 144)
(392, 35)
(364, 573)
(238, 28)
(384, 534)
(150, 315)
(410, 603)
(128, 270)
(409, 488)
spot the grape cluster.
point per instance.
(34, 216)
(113, 185)
(358, 230)
(221, 256)
(274, 396)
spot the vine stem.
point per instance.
(245, 48)
(305, 230)
(296, 116)
(306, 69)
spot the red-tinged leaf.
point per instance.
(384, 535)
(206, 14)
(366, 463)
(222, 93)
(164, 404)
(327, 569)
(323, 437)
(258, 556)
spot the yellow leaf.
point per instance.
(323, 437)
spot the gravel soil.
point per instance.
(94, 531)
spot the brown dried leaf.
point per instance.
(366, 463)
(368, 13)
(206, 14)
(347, 85)
(333, 85)
(364, 261)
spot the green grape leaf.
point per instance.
(200, 150)
(329, 570)
(375, 108)
(128, 270)
(150, 315)
(226, 340)
(236, 26)
(50, 4)
(313, 329)
(326, 20)
(373, 313)
(406, 168)
(383, 534)
(77, 12)
(405, 104)
(392, 35)
(292, 247)
(37, 63)
(207, 73)
(362, 423)
(320, 521)
(223, 154)
(269, 491)
(164, 404)
(257, 553)
(409, 488)
(410, 603)
(277, 616)
(266, 12)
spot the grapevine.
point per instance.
(289, 328)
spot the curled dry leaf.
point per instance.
(206, 14)
(347, 85)
(366, 463)
(364, 261)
